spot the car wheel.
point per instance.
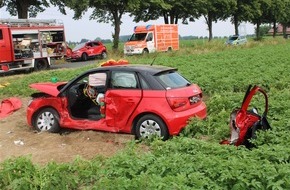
(41, 64)
(84, 57)
(104, 55)
(145, 51)
(47, 119)
(149, 126)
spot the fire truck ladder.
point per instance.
(31, 22)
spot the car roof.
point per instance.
(143, 69)
(151, 69)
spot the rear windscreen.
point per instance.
(172, 80)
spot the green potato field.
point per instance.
(194, 159)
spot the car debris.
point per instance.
(244, 123)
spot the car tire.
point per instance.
(41, 64)
(47, 119)
(150, 126)
(104, 55)
(84, 57)
(145, 51)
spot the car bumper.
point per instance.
(179, 120)
(135, 51)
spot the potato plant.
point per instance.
(194, 159)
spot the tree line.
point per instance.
(257, 12)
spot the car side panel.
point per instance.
(98, 48)
(154, 101)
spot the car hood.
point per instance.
(133, 43)
(48, 87)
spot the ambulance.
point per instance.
(152, 38)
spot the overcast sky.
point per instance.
(89, 29)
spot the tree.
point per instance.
(171, 11)
(150, 10)
(25, 8)
(284, 17)
(275, 12)
(214, 11)
(258, 14)
(104, 11)
(240, 13)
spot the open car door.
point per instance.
(244, 122)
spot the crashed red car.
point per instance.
(138, 99)
(88, 50)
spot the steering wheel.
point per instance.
(90, 91)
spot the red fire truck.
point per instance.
(30, 44)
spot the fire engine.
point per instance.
(30, 44)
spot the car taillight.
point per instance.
(183, 103)
(195, 99)
(178, 104)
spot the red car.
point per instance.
(139, 99)
(89, 50)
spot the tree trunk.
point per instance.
(236, 24)
(284, 30)
(116, 35)
(172, 17)
(176, 19)
(208, 20)
(165, 16)
(22, 9)
(258, 36)
(274, 29)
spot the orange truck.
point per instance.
(152, 38)
(30, 44)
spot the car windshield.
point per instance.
(138, 37)
(79, 46)
(172, 80)
(233, 37)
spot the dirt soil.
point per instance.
(18, 139)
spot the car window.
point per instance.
(149, 37)
(123, 80)
(233, 38)
(138, 37)
(143, 83)
(1, 35)
(96, 44)
(172, 80)
(79, 46)
(93, 79)
(97, 79)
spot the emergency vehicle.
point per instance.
(30, 44)
(152, 38)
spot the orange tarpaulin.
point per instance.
(8, 106)
(114, 62)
